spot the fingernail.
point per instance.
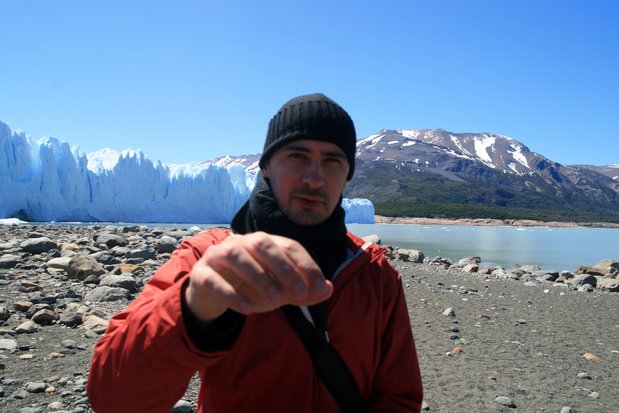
(300, 290)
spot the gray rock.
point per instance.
(607, 263)
(120, 281)
(449, 312)
(95, 324)
(514, 275)
(506, 401)
(468, 260)
(567, 409)
(56, 406)
(10, 261)
(70, 319)
(583, 279)
(110, 240)
(472, 267)
(8, 344)
(408, 255)
(69, 344)
(167, 244)
(178, 234)
(609, 284)
(45, 317)
(105, 293)
(144, 253)
(586, 288)
(82, 266)
(564, 277)
(27, 327)
(548, 277)
(37, 307)
(530, 268)
(38, 245)
(585, 376)
(105, 258)
(20, 394)
(5, 314)
(61, 263)
(36, 387)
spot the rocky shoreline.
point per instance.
(379, 219)
(488, 338)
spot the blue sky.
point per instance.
(193, 80)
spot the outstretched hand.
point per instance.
(254, 273)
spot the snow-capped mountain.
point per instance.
(484, 169)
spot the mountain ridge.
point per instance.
(437, 173)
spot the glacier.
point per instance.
(47, 180)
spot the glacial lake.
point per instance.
(549, 247)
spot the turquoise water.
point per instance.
(550, 248)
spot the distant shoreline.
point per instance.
(379, 219)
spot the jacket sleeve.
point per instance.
(146, 358)
(397, 386)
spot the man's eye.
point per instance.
(297, 155)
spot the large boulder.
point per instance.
(10, 261)
(38, 245)
(607, 263)
(110, 240)
(408, 255)
(82, 266)
(609, 284)
(583, 279)
(583, 269)
(166, 244)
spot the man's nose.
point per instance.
(314, 176)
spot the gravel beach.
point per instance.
(489, 340)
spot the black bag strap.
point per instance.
(328, 364)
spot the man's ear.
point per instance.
(265, 170)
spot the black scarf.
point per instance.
(325, 242)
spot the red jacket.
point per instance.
(146, 358)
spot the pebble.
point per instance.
(449, 312)
(506, 401)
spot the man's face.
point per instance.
(307, 178)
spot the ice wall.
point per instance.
(47, 180)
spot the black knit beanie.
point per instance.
(313, 117)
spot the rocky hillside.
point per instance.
(436, 172)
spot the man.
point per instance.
(217, 305)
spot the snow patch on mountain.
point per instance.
(481, 149)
